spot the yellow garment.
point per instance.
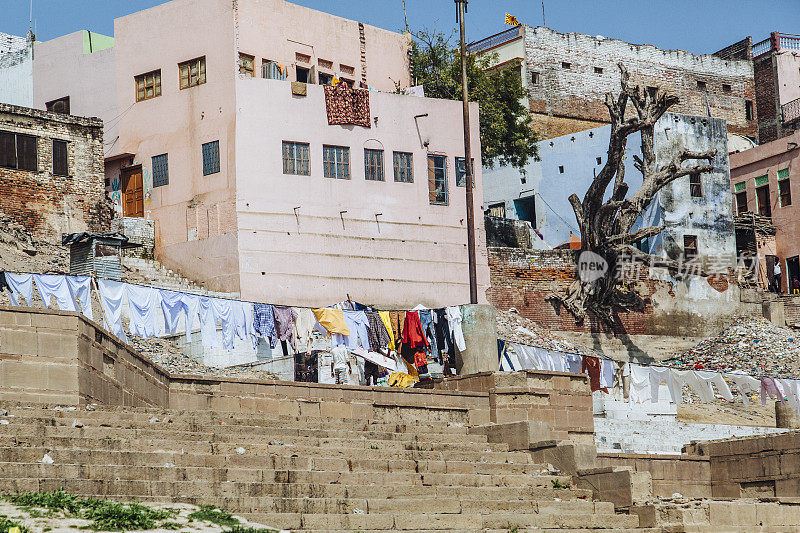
(511, 20)
(412, 370)
(399, 379)
(335, 81)
(332, 320)
(387, 321)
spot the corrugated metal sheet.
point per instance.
(80, 259)
(97, 256)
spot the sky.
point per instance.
(699, 26)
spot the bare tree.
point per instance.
(606, 225)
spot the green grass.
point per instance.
(557, 484)
(6, 524)
(209, 513)
(59, 500)
(242, 529)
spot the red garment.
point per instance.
(413, 336)
(420, 359)
(591, 366)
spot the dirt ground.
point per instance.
(735, 414)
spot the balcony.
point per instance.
(495, 40)
(775, 42)
(791, 111)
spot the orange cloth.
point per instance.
(332, 320)
(591, 365)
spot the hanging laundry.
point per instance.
(745, 383)
(771, 388)
(659, 375)
(332, 320)
(242, 316)
(688, 378)
(398, 324)
(559, 361)
(20, 285)
(3, 283)
(443, 340)
(387, 323)
(510, 357)
(640, 388)
(55, 286)
(264, 323)
(223, 313)
(111, 296)
(790, 391)
(591, 365)
(144, 304)
(413, 334)
(573, 362)
(707, 379)
(426, 319)
(285, 318)
(358, 324)
(377, 333)
(304, 327)
(456, 332)
(208, 323)
(347, 106)
(175, 304)
(606, 373)
(81, 289)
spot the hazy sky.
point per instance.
(700, 26)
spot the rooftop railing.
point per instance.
(791, 111)
(494, 40)
(777, 41)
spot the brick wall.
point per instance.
(741, 50)
(577, 91)
(764, 70)
(138, 230)
(50, 205)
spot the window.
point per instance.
(784, 187)
(598, 70)
(350, 83)
(560, 169)
(247, 65)
(695, 186)
(325, 79)
(273, 71)
(58, 106)
(437, 179)
(461, 172)
(599, 160)
(192, 72)
(534, 78)
(748, 110)
(565, 65)
(336, 162)
(403, 171)
(689, 247)
(373, 164)
(210, 158)
(60, 164)
(643, 245)
(701, 85)
(295, 158)
(18, 151)
(741, 202)
(160, 170)
(302, 74)
(497, 210)
(652, 91)
(325, 63)
(762, 196)
(148, 85)
(726, 88)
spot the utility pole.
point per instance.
(461, 9)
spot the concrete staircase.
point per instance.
(299, 473)
(153, 273)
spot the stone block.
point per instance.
(57, 345)
(18, 341)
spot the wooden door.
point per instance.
(132, 192)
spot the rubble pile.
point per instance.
(513, 327)
(751, 344)
(171, 358)
(20, 252)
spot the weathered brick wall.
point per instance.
(50, 205)
(578, 91)
(741, 50)
(764, 71)
(138, 230)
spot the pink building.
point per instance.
(250, 188)
(766, 180)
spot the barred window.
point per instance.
(373, 164)
(247, 65)
(192, 72)
(148, 85)
(160, 170)
(461, 172)
(437, 179)
(273, 71)
(403, 170)
(336, 162)
(295, 158)
(60, 163)
(210, 158)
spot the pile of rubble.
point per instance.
(751, 344)
(20, 252)
(171, 358)
(513, 327)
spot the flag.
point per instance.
(511, 20)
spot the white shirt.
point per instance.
(777, 269)
(340, 357)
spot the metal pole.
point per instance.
(544, 22)
(473, 274)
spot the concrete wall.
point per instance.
(46, 204)
(577, 93)
(569, 163)
(688, 475)
(767, 160)
(16, 70)
(311, 240)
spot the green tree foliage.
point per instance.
(507, 137)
